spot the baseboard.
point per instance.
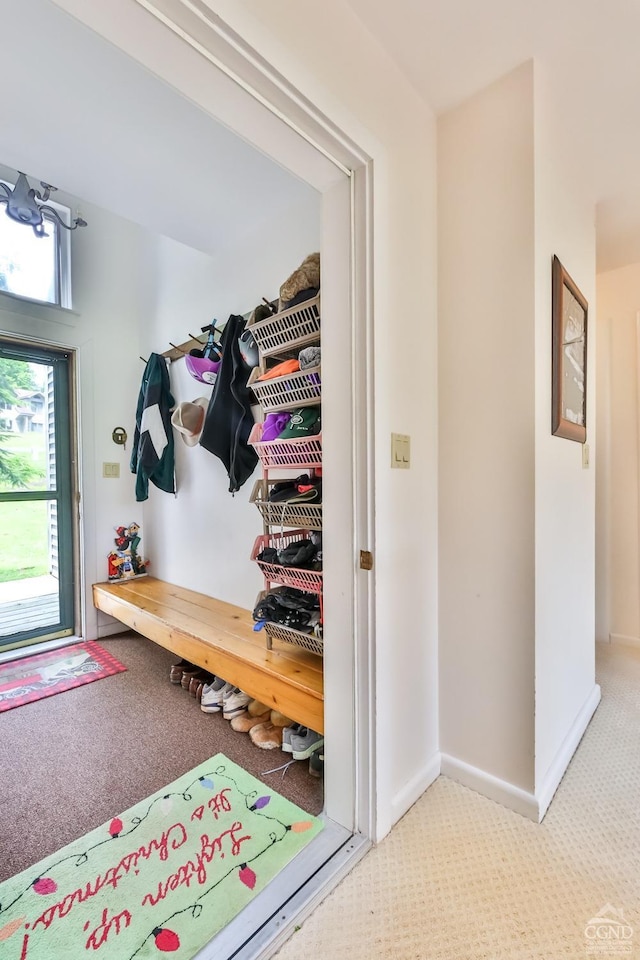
(515, 798)
(109, 629)
(557, 770)
(413, 790)
(622, 638)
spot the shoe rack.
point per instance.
(278, 338)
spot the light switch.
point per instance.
(111, 470)
(585, 456)
(400, 451)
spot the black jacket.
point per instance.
(229, 419)
(152, 457)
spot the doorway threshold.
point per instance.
(30, 648)
(263, 926)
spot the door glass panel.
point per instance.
(29, 589)
(27, 436)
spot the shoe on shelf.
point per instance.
(316, 764)
(244, 722)
(286, 736)
(235, 703)
(304, 743)
(267, 736)
(213, 694)
(175, 672)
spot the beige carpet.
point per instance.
(461, 877)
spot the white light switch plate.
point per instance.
(400, 451)
(111, 470)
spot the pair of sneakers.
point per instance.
(222, 697)
(301, 741)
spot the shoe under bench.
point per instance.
(219, 637)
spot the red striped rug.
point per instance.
(45, 674)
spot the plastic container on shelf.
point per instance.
(286, 333)
(298, 577)
(305, 452)
(285, 514)
(300, 389)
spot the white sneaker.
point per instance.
(213, 695)
(305, 743)
(235, 703)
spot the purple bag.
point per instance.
(274, 424)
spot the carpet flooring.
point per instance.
(67, 762)
(463, 878)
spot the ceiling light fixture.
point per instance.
(26, 205)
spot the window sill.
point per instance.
(39, 309)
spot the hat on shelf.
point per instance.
(188, 419)
(304, 422)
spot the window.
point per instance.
(37, 268)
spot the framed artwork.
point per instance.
(569, 377)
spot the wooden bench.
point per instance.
(219, 637)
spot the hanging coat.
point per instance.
(152, 457)
(229, 418)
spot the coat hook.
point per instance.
(179, 349)
(143, 359)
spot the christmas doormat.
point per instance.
(45, 674)
(163, 877)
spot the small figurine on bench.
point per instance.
(124, 562)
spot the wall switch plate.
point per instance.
(400, 451)
(111, 470)
(585, 456)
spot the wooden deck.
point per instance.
(219, 637)
(29, 613)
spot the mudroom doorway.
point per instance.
(124, 315)
(37, 557)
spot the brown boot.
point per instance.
(279, 720)
(246, 722)
(256, 709)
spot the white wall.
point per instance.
(564, 491)
(617, 477)
(104, 330)
(486, 343)
(517, 530)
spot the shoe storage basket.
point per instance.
(277, 631)
(288, 332)
(299, 389)
(309, 580)
(283, 513)
(309, 641)
(305, 452)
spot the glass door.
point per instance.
(36, 495)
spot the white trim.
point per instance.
(568, 747)
(623, 638)
(18, 653)
(412, 791)
(515, 798)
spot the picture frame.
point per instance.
(569, 313)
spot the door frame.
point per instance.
(59, 638)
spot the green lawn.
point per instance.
(23, 540)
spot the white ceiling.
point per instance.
(80, 114)
(450, 49)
